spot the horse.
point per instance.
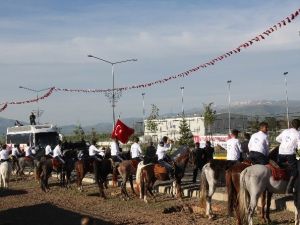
(5, 172)
(47, 165)
(232, 177)
(256, 179)
(215, 169)
(24, 162)
(155, 172)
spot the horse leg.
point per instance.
(123, 187)
(211, 191)
(269, 197)
(131, 185)
(263, 203)
(251, 208)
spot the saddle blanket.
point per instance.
(277, 172)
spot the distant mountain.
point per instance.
(251, 108)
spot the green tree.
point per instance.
(79, 134)
(94, 136)
(186, 136)
(151, 123)
(209, 116)
(254, 124)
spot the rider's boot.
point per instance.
(290, 186)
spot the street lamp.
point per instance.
(182, 108)
(229, 118)
(143, 96)
(38, 112)
(286, 99)
(115, 94)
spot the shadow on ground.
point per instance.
(8, 192)
(44, 214)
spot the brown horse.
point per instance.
(233, 186)
(155, 172)
(127, 169)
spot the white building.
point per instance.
(170, 127)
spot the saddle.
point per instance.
(277, 172)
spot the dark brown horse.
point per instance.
(233, 186)
(155, 172)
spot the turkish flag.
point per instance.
(122, 132)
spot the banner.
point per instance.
(122, 132)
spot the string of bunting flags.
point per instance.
(186, 73)
(212, 62)
(5, 105)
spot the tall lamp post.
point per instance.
(115, 94)
(38, 111)
(182, 106)
(229, 118)
(286, 99)
(143, 97)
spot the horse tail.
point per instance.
(203, 188)
(230, 192)
(243, 198)
(142, 180)
(138, 177)
(43, 175)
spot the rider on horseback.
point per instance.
(48, 152)
(95, 153)
(115, 151)
(4, 154)
(28, 152)
(233, 148)
(136, 150)
(259, 145)
(289, 141)
(15, 154)
(57, 154)
(163, 158)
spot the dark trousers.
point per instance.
(258, 158)
(166, 165)
(289, 162)
(195, 172)
(116, 158)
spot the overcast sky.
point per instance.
(45, 43)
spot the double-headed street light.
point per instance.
(286, 99)
(229, 118)
(38, 111)
(114, 95)
(182, 106)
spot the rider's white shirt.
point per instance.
(114, 148)
(15, 152)
(289, 141)
(233, 149)
(259, 142)
(161, 152)
(27, 151)
(135, 150)
(57, 151)
(48, 150)
(4, 154)
(95, 151)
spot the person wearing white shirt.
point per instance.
(57, 154)
(16, 152)
(28, 152)
(289, 141)
(136, 150)
(115, 151)
(95, 152)
(48, 151)
(4, 153)
(234, 147)
(259, 145)
(161, 153)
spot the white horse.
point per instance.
(254, 180)
(5, 172)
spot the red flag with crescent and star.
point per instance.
(122, 132)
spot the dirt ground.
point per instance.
(26, 204)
